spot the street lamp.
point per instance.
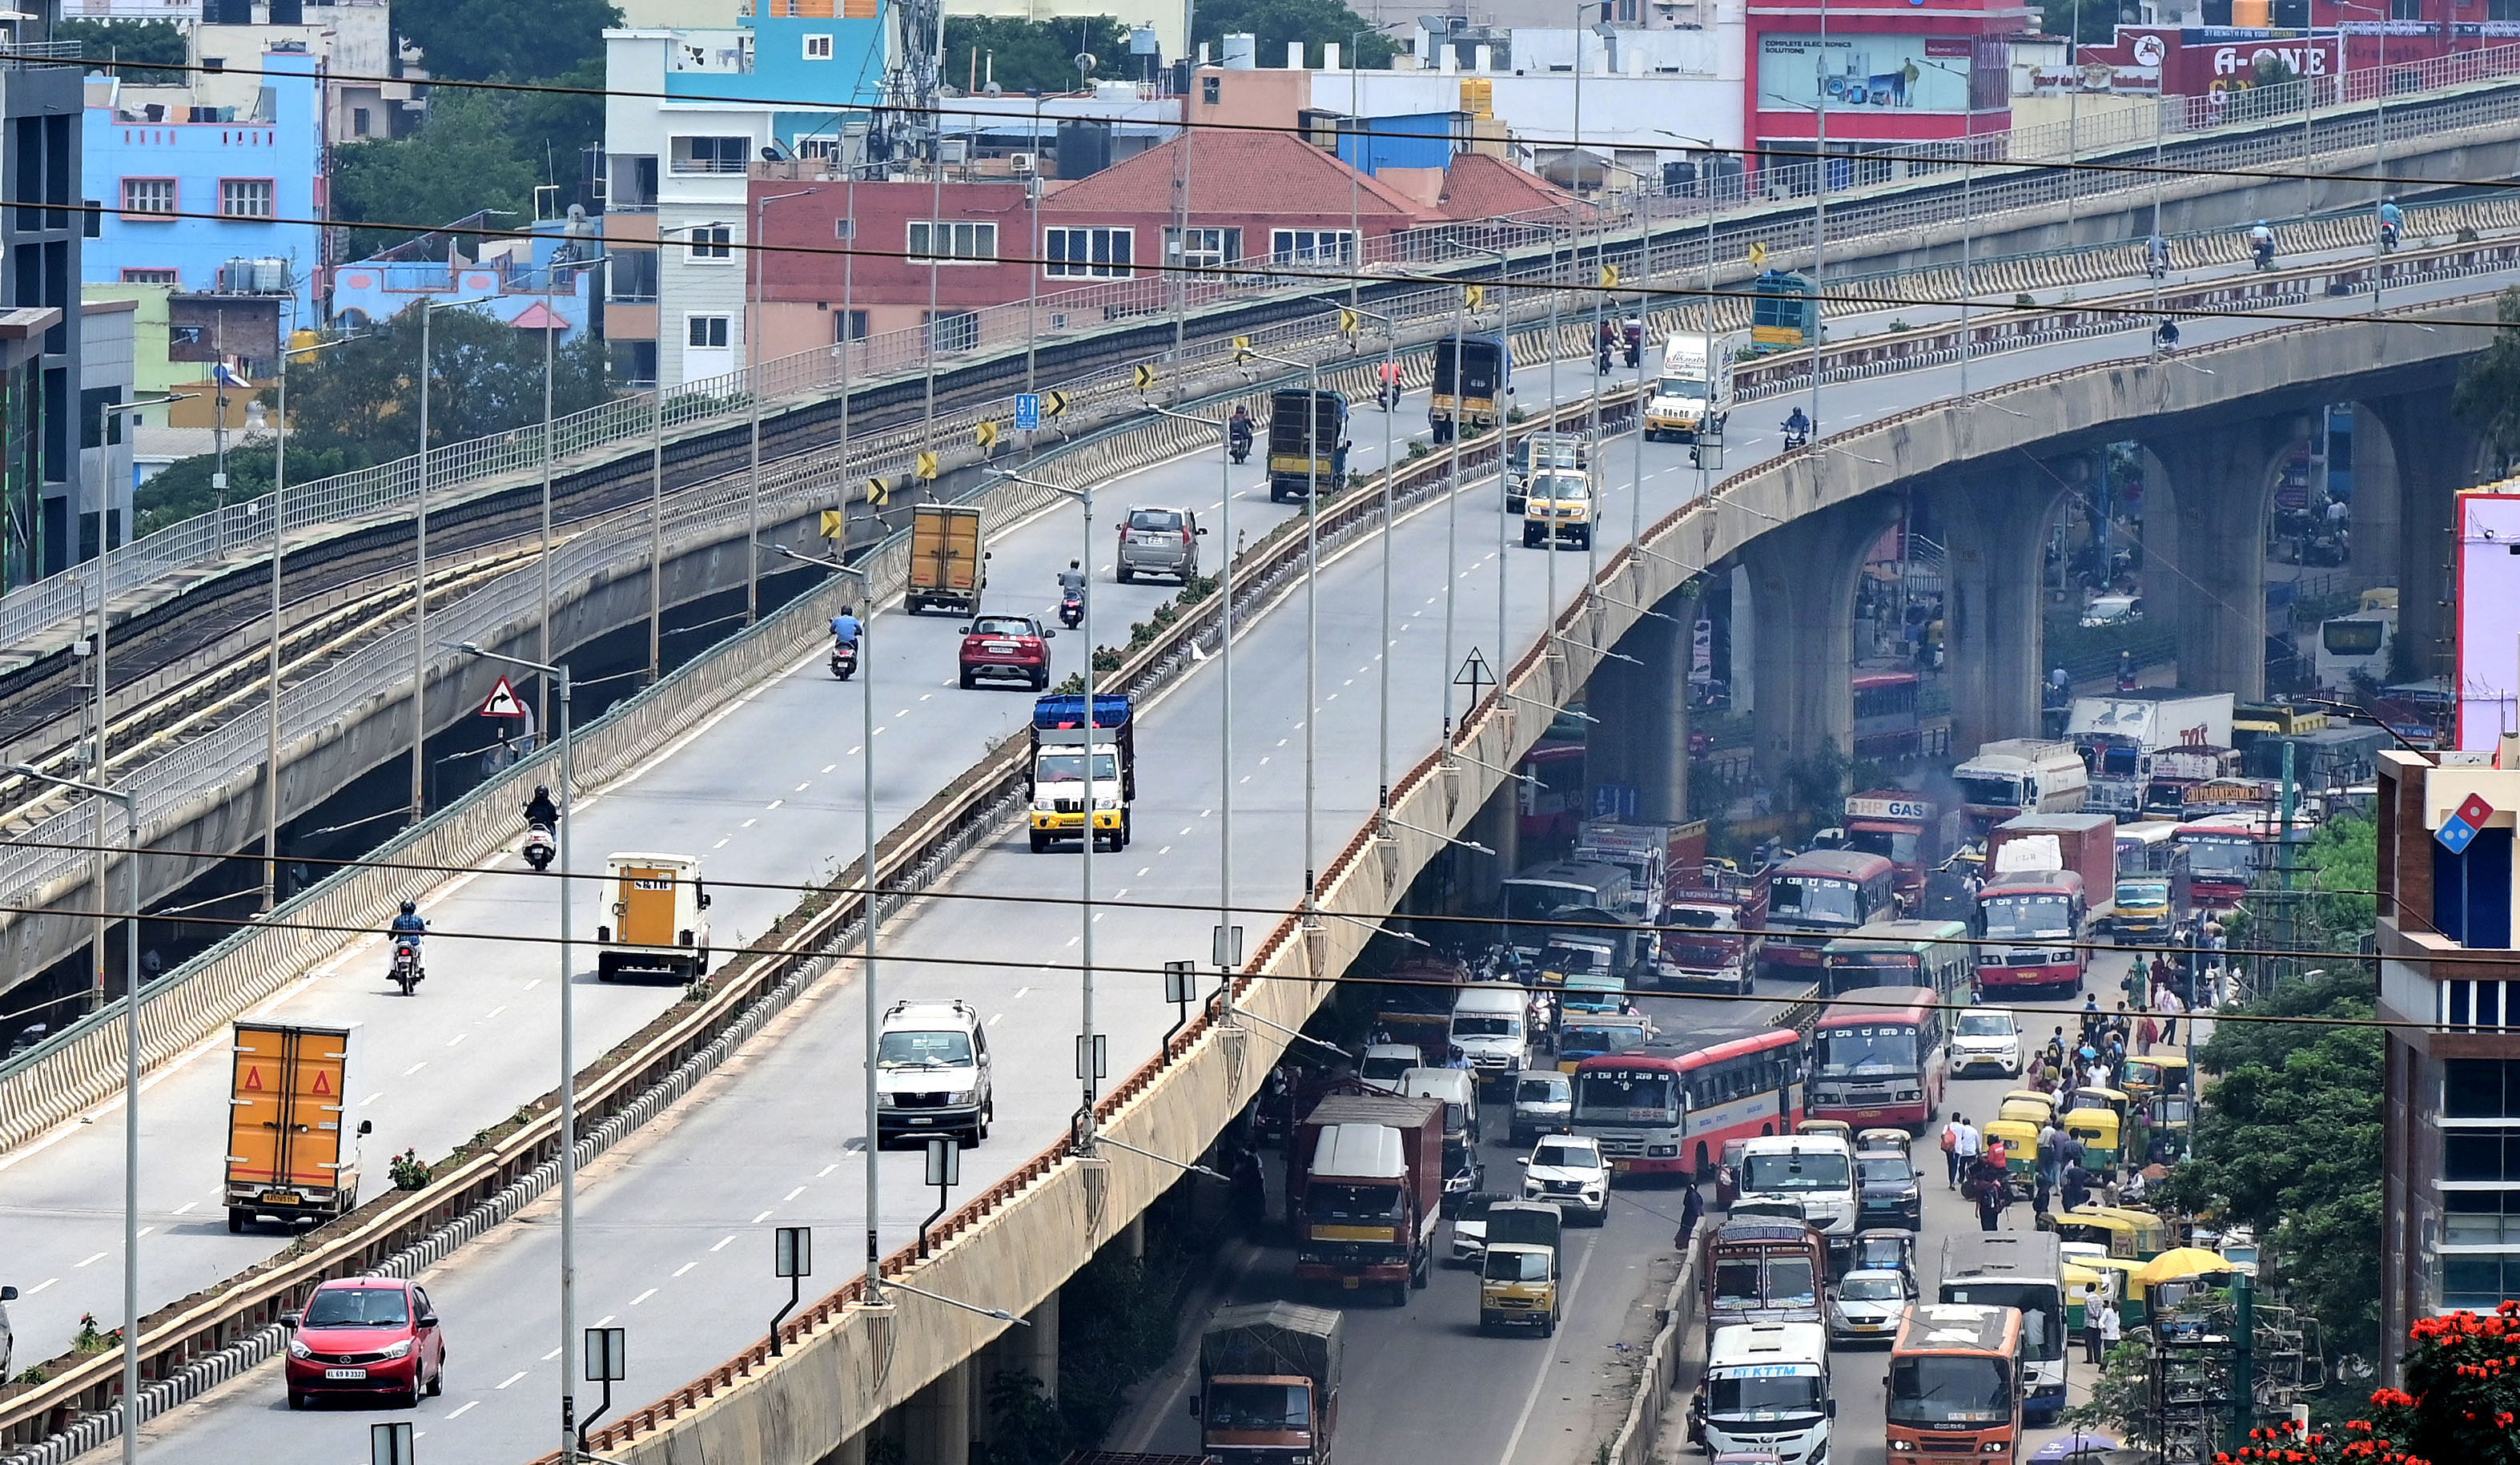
(1312, 591)
(271, 665)
(576, 231)
(559, 673)
(656, 460)
(756, 254)
(866, 797)
(130, 1087)
(1225, 719)
(1391, 378)
(1819, 209)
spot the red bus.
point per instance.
(1551, 808)
(1665, 1111)
(1887, 729)
(1883, 1062)
(1818, 895)
(2034, 927)
(2223, 854)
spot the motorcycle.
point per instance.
(539, 849)
(1072, 609)
(2388, 239)
(1386, 396)
(1795, 437)
(844, 658)
(1239, 444)
(407, 973)
(2265, 254)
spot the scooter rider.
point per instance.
(846, 628)
(2262, 241)
(2156, 254)
(2393, 221)
(409, 927)
(540, 812)
(1797, 427)
(1072, 581)
(1237, 429)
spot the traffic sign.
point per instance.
(1613, 801)
(926, 466)
(1241, 350)
(1609, 277)
(878, 493)
(1144, 376)
(503, 702)
(985, 434)
(1347, 323)
(1027, 410)
(1758, 252)
(836, 524)
(1053, 404)
(1474, 673)
(1474, 295)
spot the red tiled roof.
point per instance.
(1234, 172)
(1477, 186)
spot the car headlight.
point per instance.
(1044, 806)
(1903, 1446)
(1908, 1195)
(1107, 803)
(297, 1348)
(963, 1096)
(884, 1101)
(1994, 1448)
(397, 1351)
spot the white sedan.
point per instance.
(1568, 1170)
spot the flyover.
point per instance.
(2071, 386)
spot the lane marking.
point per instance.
(457, 1039)
(773, 803)
(1019, 993)
(828, 767)
(145, 1230)
(686, 1266)
(722, 1246)
(749, 823)
(415, 1067)
(30, 1292)
(513, 1377)
(463, 1409)
(531, 985)
(720, 845)
(1160, 853)
(606, 1318)
(363, 1103)
(1539, 1373)
(547, 1358)
(186, 1208)
(792, 1194)
(997, 1018)
(494, 1011)
(802, 787)
(652, 1291)
(763, 1216)
(98, 1257)
(826, 1169)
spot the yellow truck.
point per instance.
(293, 1124)
(657, 926)
(949, 559)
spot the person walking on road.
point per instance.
(1692, 1209)
(1951, 1151)
(1989, 1190)
(2093, 1305)
(2111, 1330)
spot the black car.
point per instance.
(1890, 1195)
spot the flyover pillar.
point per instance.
(1993, 618)
(936, 1421)
(1028, 1354)
(1642, 745)
(852, 1450)
(1497, 825)
(1802, 588)
(2436, 457)
(2210, 565)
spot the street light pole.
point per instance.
(1312, 603)
(420, 593)
(1225, 654)
(754, 254)
(271, 663)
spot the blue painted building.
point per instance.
(1428, 140)
(184, 189)
(508, 280)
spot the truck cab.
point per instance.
(1767, 1388)
(657, 926)
(1269, 1384)
(1063, 741)
(1557, 505)
(1694, 393)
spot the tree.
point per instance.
(183, 487)
(2488, 395)
(2342, 856)
(1032, 55)
(2289, 1142)
(464, 158)
(129, 41)
(487, 40)
(485, 377)
(1315, 23)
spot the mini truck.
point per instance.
(1690, 401)
(292, 1125)
(1060, 743)
(1269, 1383)
(1365, 1189)
(657, 926)
(948, 559)
(1305, 430)
(1469, 394)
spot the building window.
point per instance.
(712, 154)
(2471, 1004)
(2491, 1156)
(713, 242)
(822, 149)
(2479, 1088)
(1208, 248)
(145, 196)
(360, 125)
(632, 181)
(705, 332)
(633, 274)
(2481, 1217)
(245, 197)
(2405, 9)
(848, 325)
(93, 223)
(1210, 89)
(1312, 246)
(1089, 253)
(818, 48)
(957, 243)
(2502, 10)
(953, 330)
(844, 230)
(131, 276)
(2479, 1284)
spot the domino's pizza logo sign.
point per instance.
(2464, 823)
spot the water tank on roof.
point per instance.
(271, 276)
(1084, 148)
(1242, 52)
(236, 277)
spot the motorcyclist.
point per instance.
(2156, 253)
(845, 628)
(1072, 581)
(1238, 429)
(409, 927)
(540, 812)
(1387, 393)
(2392, 219)
(2167, 335)
(2262, 241)
(1798, 425)
(2126, 671)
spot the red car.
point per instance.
(1007, 646)
(366, 1335)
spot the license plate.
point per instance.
(920, 1119)
(1620, 1164)
(345, 1373)
(1001, 647)
(282, 1198)
(1350, 1283)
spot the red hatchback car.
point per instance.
(1004, 646)
(366, 1335)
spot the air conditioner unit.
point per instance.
(1022, 164)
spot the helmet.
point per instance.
(2262, 223)
(848, 610)
(1072, 564)
(411, 907)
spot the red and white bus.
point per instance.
(2223, 855)
(1882, 1064)
(1666, 1111)
(2035, 922)
(1818, 896)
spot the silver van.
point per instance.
(1160, 541)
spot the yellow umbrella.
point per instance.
(2181, 1262)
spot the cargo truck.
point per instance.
(1062, 742)
(1694, 395)
(1365, 1188)
(1661, 859)
(949, 560)
(1914, 832)
(2085, 843)
(657, 926)
(2020, 776)
(2117, 735)
(1307, 431)
(294, 1128)
(1470, 395)
(1269, 1383)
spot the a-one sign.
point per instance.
(503, 701)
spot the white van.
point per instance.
(657, 926)
(1815, 1170)
(1767, 1391)
(1491, 1028)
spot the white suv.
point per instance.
(1815, 1170)
(931, 1073)
(1569, 1170)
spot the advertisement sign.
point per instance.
(2488, 620)
(132, 10)
(1859, 72)
(2195, 62)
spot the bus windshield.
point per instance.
(1820, 1171)
(1884, 1049)
(2013, 917)
(1765, 1393)
(1625, 1093)
(2226, 857)
(1950, 1389)
(1811, 899)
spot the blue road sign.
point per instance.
(1028, 411)
(1611, 800)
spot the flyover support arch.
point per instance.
(1994, 613)
(1802, 587)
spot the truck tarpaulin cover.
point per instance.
(1274, 1338)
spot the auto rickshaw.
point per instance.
(1884, 1142)
(2152, 1235)
(2077, 1277)
(2022, 1111)
(2096, 1228)
(2097, 1129)
(2155, 1074)
(2170, 1119)
(2020, 1153)
(1831, 1128)
(2045, 1103)
(2134, 1296)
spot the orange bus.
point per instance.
(1956, 1384)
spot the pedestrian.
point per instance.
(2040, 1198)
(1250, 1192)
(2093, 1305)
(2077, 1186)
(2160, 970)
(2169, 1008)
(1951, 1151)
(1972, 1146)
(1692, 1209)
(1993, 1194)
(2111, 1330)
(2069, 1150)
(2147, 1033)
(2050, 1157)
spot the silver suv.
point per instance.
(931, 1073)
(1160, 541)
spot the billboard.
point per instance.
(132, 10)
(1864, 72)
(2195, 62)
(2488, 619)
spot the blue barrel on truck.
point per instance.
(1065, 799)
